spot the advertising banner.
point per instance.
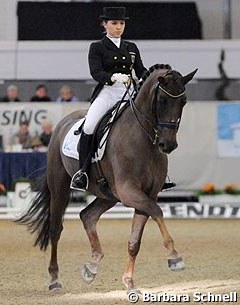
(228, 130)
(201, 210)
(12, 114)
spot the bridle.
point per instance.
(160, 124)
(169, 94)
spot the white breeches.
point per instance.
(107, 98)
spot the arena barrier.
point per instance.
(211, 207)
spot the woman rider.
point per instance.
(111, 61)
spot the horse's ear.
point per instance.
(188, 77)
(162, 80)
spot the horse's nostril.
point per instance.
(167, 147)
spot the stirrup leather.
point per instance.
(77, 176)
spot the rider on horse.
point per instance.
(111, 61)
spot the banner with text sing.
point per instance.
(12, 114)
(228, 130)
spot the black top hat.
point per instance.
(114, 13)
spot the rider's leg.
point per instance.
(80, 178)
(98, 108)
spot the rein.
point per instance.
(138, 113)
(160, 124)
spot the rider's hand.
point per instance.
(125, 79)
(120, 78)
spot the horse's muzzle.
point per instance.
(167, 147)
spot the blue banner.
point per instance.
(228, 130)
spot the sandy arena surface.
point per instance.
(210, 248)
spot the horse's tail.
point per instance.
(37, 217)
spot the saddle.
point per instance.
(101, 132)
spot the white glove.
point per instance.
(120, 78)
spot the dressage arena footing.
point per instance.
(189, 288)
(210, 249)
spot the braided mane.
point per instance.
(153, 68)
(147, 73)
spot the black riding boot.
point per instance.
(80, 178)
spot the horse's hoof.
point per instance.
(176, 264)
(133, 295)
(88, 275)
(134, 290)
(55, 286)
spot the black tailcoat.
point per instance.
(105, 59)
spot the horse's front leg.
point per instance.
(89, 216)
(175, 262)
(134, 197)
(138, 223)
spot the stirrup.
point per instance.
(76, 179)
(168, 185)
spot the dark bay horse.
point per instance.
(135, 166)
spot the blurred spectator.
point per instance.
(40, 94)
(41, 142)
(11, 94)
(36, 143)
(66, 95)
(23, 136)
(47, 129)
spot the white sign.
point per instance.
(200, 210)
(12, 114)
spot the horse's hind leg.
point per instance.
(60, 194)
(138, 223)
(89, 217)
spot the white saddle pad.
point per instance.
(70, 143)
(69, 147)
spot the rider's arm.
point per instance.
(96, 67)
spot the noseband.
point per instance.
(160, 124)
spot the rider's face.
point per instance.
(114, 28)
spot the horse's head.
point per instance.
(168, 100)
